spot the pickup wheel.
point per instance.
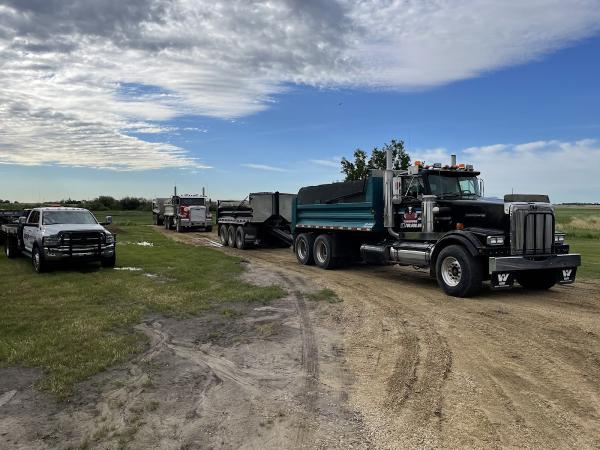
(37, 258)
(458, 273)
(223, 235)
(303, 248)
(240, 238)
(323, 252)
(231, 236)
(109, 262)
(539, 280)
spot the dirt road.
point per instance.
(505, 369)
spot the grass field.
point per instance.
(74, 322)
(582, 225)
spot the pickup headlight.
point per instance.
(51, 241)
(110, 239)
(559, 238)
(495, 240)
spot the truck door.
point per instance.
(30, 231)
(410, 211)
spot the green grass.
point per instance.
(582, 225)
(324, 295)
(73, 323)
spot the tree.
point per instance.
(359, 169)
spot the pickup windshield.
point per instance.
(69, 217)
(452, 186)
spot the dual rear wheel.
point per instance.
(318, 250)
(232, 236)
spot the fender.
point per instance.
(461, 237)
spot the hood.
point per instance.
(49, 230)
(482, 212)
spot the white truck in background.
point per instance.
(184, 212)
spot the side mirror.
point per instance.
(109, 220)
(22, 220)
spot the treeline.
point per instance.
(106, 203)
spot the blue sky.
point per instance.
(530, 121)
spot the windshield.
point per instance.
(192, 202)
(69, 217)
(444, 186)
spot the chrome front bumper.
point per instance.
(520, 263)
(87, 252)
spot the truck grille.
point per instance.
(81, 238)
(532, 229)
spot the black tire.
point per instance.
(303, 248)
(155, 219)
(458, 273)
(167, 223)
(240, 238)
(223, 235)
(231, 236)
(109, 262)
(10, 249)
(537, 280)
(37, 259)
(323, 252)
(209, 228)
(178, 227)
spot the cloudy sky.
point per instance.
(128, 97)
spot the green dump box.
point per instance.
(349, 205)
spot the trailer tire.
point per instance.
(323, 252)
(458, 273)
(38, 261)
(223, 235)
(231, 236)
(303, 248)
(240, 238)
(537, 280)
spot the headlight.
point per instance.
(559, 238)
(110, 239)
(51, 241)
(495, 240)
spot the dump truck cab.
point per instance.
(187, 211)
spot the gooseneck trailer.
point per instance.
(434, 217)
(262, 218)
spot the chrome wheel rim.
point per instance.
(239, 240)
(321, 252)
(302, 249)
(7, 251)
(451, 271)
(223, 235)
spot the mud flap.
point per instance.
(502, 280)
(566, 275)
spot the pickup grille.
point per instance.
(82, 238)
(532, 229)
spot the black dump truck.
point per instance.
(434, 217)
(262, 218)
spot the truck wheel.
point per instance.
(240, 238)
(231, 236)
(10, 250)
(37, 258)
(109, 262)
(209, 229)
(178, 227)
(223, 235)
(458, 273)
(323, 252)
(303, 247)
(539, 280)
(167, 223)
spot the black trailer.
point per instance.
(263, 218)
(11, 232)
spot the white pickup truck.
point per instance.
(54, 234)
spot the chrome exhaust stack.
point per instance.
(388, 194)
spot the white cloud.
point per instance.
(331, 162)
(564, 170)
(264, 167)
(77, 75)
